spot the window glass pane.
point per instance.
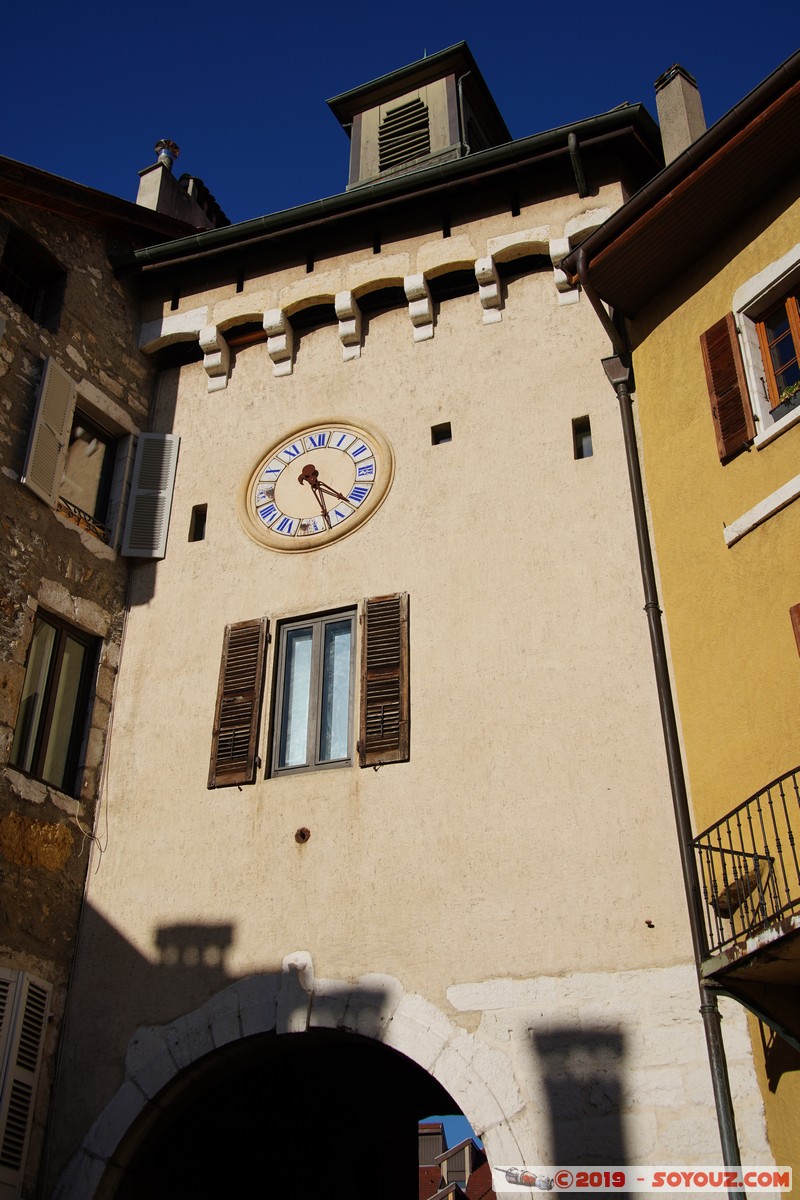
(86, 474)
(66, 698)
(335, 714)
(296, 698)
(33, 696)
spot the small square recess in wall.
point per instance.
(441, 433)
(197, 525)
(582, 437)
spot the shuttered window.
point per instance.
(150, 501)
(730, 403)
(24, 1006)
(234, 745)
(312, 719)
(385, 723)
(84, 470)
(404, 134)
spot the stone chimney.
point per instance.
(680, 111)
(187, 199)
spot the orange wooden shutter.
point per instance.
(234, 744)
(727, 388)
(385, 716)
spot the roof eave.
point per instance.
(737, 132)
(399, 189)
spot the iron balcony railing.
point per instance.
(748, 863)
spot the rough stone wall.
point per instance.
(47, 562)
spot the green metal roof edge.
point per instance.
(399, 187)
(410, 68)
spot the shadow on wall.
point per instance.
(780, 1057)
(582, 1072)
(230, 1083)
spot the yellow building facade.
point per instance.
(705, 264)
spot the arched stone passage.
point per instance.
(399, 1046)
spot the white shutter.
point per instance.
(150, 502)
(49, 440)
(120, 488)
(25, 1022)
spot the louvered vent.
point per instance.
(404, 134)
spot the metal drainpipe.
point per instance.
(461, 114)
(618, 370)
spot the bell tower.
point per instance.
(434, 110)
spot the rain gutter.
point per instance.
(482, 166)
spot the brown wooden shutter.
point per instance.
(727, 388)
(234, 744)
(385, 715)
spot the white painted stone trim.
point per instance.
(776, 429)
(509, 246)
(765, 280)
(577, 228)
(420, 306)
(489, 292)
(762, 511)
(568, 293)
(216, 357)
(178, 327)
(480, 1077)
(280, 341)
(349, 315)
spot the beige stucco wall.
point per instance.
(734, 655)
(531, 834)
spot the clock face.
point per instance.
(316, 485)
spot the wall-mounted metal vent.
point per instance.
(404, 134)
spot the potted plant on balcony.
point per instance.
(788, 398)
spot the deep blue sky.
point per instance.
(89, 88)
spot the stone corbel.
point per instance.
(420, 306)
(349, 315)
(280, 341)
(559, 249)
(489, 292)
(216, 358)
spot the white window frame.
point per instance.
(750, 303)
(317, 622)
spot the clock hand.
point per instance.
(310, 475)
